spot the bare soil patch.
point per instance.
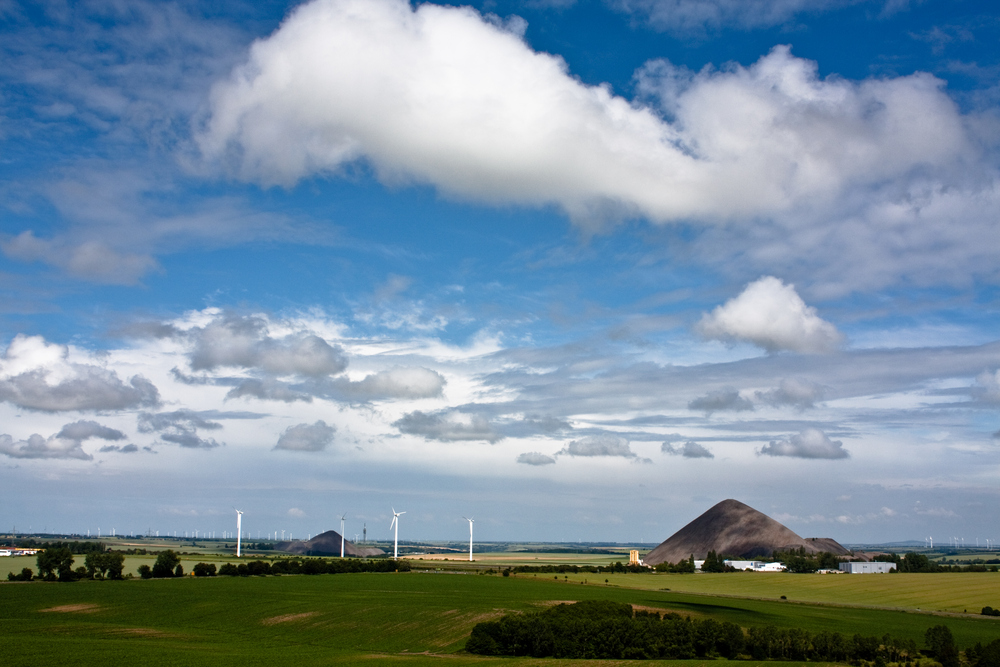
(82, 608)
(289, 618)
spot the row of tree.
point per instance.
(56, 563)
(314, 566)
(914, 562)
(75, 547)
(615, 568)
(601, 629)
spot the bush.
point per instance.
(145, 571)
(990, 611)
(228, 570)
(26, 575)
(204, 570)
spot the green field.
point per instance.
(360, 618)
(948, 592)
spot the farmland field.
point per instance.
(342, 619)
(948, 592)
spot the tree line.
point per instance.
(168, 564)
(56, 564)
(602, 629)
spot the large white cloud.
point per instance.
(772, 315)
(39, 375)
(441, 95)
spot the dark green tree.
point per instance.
(166, 564)
(204, 570)
(941, 645)
(115, 562)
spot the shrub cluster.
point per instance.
(601, 629)
(313, 566)
(990, 611)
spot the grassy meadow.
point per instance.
(408, 618)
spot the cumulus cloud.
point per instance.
(244, 342)
(791, 391)
(771, 315)
(810, 443)
(307, 437)
(442, 95)
(179, 427)
(604, 444)
(296, 513)
(394, 383)
(66, 444)
(38, 375)
(690, 450)
(535, 459)
(92, 260)
(451, 426)
(726, 399)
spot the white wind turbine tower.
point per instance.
(395, 540)
(342, 534)
(239, 530)
(471, 521)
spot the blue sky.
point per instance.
(577, 269)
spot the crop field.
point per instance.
(358, 618)
(949, 592)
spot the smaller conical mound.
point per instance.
(731, 528)
(327, 544)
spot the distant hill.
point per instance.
(731, 528)
(327, 544)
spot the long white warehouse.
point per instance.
(867, 568)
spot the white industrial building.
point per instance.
(867, 568)
(755, 566)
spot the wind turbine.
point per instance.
(342, 534)
(395, 541)
(239, 530)
(471, 521)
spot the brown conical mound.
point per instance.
(731, 528)
(327, 544)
